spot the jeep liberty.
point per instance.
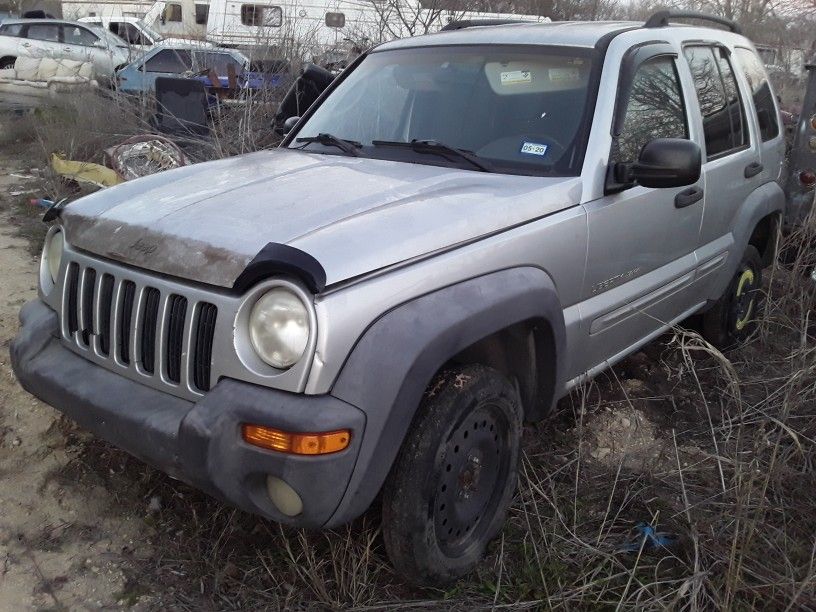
(463, 227)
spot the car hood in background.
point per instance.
(207, 221)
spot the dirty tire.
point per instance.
(732, 320)
(7, 62)
(454, 478)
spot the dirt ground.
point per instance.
(59, 546)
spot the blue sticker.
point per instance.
(534, 148)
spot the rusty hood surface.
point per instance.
(206, 222)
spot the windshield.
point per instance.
(150, 32)
(110, 37)
(521, 109)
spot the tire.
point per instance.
(454, 478)
(7, 62)
(732, 320)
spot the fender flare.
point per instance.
(765, 200)
(393, 362)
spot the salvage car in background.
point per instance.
(136, 33)
(59, 39)
(140, 76)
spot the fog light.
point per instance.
(296, 443)
(285, 498)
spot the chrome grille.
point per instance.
(158, 335)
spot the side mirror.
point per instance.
(100, 44)
(666, 162)
(289, 124)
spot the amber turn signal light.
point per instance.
(296, 443)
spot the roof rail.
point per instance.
(661, 19)
(474, 23)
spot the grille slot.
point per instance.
(105, 303)
(73, 292)
(150, 319)
(204, 331)
(88, 287)
(176, 312)
(125, 320)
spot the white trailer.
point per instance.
(304, 29)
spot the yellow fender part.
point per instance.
(85, 172)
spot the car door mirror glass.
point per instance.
(664, 163)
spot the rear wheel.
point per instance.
(6, 63)
(734, 317)
(448, 493)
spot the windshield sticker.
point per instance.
(560, 75)
(534, 148)
(515, 77)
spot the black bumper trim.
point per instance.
(198, 443)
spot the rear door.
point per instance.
(640, 257)
(732, 164)
(42, 40)
(766, 110)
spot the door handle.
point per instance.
(753, 169)
(26, 44)
(687, 197)
(68, 49)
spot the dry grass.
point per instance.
(733, 480)
(732, 477)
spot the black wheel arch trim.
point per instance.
(393, 362)
(277, 258)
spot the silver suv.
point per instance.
(461, 229)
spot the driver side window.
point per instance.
(655, 109)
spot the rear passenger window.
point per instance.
(655, 109)
(48, 32)
(761, 93)
(724, 124)
(170, 61)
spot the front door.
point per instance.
(640, 257)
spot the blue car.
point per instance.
(139, 77)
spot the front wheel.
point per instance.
(455, 476)
(732, 320)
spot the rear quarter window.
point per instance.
(761, 93)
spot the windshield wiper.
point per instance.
(330, 140)
(438, 148)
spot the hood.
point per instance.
(206, 222)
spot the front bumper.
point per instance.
(197, 442)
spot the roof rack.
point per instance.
(661, 19)
(474, 23)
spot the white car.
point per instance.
(63, 40)
(136, 32)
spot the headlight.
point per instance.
(279, 328)
(51, 259)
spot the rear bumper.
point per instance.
(196, 442)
